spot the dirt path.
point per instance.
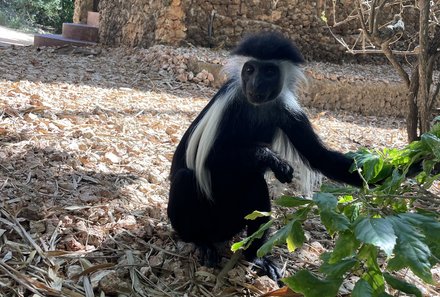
(13, 37)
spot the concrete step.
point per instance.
(58, 40)
(81, 32)
(93, 18)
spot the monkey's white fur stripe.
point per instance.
(308, 178)
(204, 134)
(203, 137)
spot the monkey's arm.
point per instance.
(331, 163)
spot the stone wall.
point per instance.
(222, 23)
(355, 93)
(217, 23)
(367, 89)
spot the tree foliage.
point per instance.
(49, 14)
(376, 224)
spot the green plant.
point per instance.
(372, 223)
(50, 14)
(3, 18)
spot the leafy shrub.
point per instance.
(49, 14)
(369, 223)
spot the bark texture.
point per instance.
(81, 9)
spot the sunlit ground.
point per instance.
(12, 37)
(85, 147)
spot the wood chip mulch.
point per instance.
(86, 139)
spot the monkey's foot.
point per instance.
(269, 268)
(209, 256)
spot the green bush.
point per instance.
(47, 14)
(378, 229)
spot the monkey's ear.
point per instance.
(269, 46)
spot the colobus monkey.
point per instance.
(253, 124)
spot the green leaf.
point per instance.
(373, 274)
(401, 285)
(310, 286)
(325, 201)
(397, 157)
(374, 167)
(433, 142)
(346, 245)
(278, 238)
(345, 199)
(430, 228)
(292, 233)
(411, 250)
(334, 221)
(301, 214)
(289, 201)
(362, 289)
(237, 245)
(393, 182)
(352, 211)
(245, 243)
(337, 269)
(323, 17)
(296, 237)
(378, 232)
(258, 214)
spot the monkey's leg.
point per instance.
(209, 256)
(258, 199)
(267, 266)
(192, 217)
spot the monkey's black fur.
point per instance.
(208, 202)
(269, 46)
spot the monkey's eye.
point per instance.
(249, 69)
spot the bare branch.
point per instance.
(362, 19)
(389, 54)
(343, 22)
(372, 18)
(379, 51)
(382, 4)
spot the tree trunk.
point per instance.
(412, 118)
(424, 85)
(81, 9)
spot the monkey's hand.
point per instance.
(283, 171)
(267, 159)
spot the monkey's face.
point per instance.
(262, 82)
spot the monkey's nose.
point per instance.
(255, 97)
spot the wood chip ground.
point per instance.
(86, 139)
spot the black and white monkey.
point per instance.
(252, 125)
